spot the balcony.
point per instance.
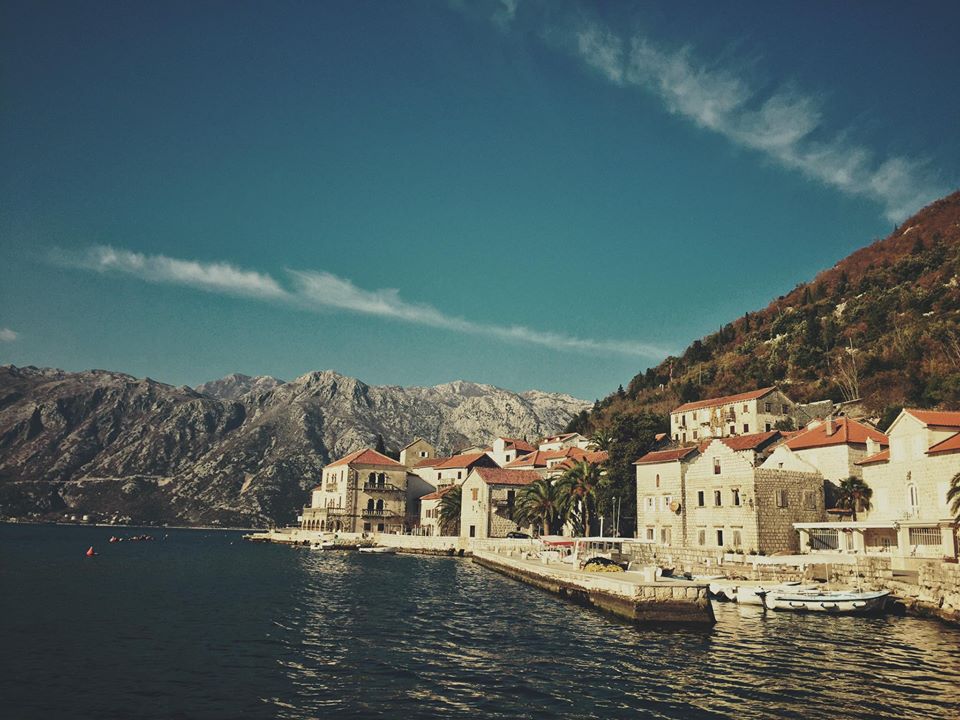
(373, 513)
(382, 488)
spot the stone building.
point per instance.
(507, 450)
(553, 462)
(417, 452)
(741, 414)
(488, 501)
(718, 496)
(908, 514)
(362, 492)
(565, 440)
(430, 511)
(454, 470)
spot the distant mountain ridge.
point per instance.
(882, 325)
(240, 451)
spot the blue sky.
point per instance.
(529, 194)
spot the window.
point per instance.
(666, 502)
(809, 500)
(736, 497)
(768, 407)
(459, 474)
(651, 503)
(928, 536)
(684, 437)
(719, 538)
(746, 408)
(783, 498)
(423, 453)
(665, 536)
(769, 427)
(746, 428)
(474, 492)
(379, 527)
(736, 539)
(700, 500)
(702, 536)
(733, 429)
(658, 480)
(366, 527)
(913, 497)
(438, 475)
(784, 409)
(717, 498)
(473, 531)
(694, 434)
(716, 466)
(650, 534)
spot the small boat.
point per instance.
(750, 594)
(829, 601)
(316, 546)
(379, 550)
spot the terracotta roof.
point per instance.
(937, 418)
(846, 432)
(539, 458)
(415, 441)
(881, 456)
(521, 445)
(753, 441)
(500, 476)
(951, 444)
(725, 400)
(431, 462)
(664, 456)
(659, 436)
(555, 438)
(366, 456)
(437, 494)
(460, 461)
(597, 457)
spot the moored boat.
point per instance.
(829, 601)
(379, 550)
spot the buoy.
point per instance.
(90, 552)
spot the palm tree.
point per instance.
(602, 439)
(953, 496)
(541, 502)
(449, 510)
(854, 493)
(579, 484)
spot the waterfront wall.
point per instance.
(641, 602)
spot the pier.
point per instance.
(628, 595)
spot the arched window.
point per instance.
(372, 478)
(913, 497)
(370, 504)
(379, 505)
(381, 479)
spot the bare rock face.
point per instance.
(238, 451)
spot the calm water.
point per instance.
(202, 625)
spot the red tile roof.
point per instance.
(753, 441)
(500, 476)
(665, 456)
(431, 462)
(556, 438)
(937, 418)
(366, 456)
(539, 458)
(845, 432)
(461, 461)
(951, 444)
(437, 494)
(881, 456)
(725, 400)
(521, 445)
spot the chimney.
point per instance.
(829, 428)
(873, 447)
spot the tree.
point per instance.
(380, 447)
(953, 496)
(578, 486)
(602, 439)
(449, 511)
(542, 503)
(854, 493)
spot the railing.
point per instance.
(382, 487)
(372, 512)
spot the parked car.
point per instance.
(516, 534)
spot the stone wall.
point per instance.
(803, 493)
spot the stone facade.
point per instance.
(742, 414)
(488, 501)
(661, 508)
(416, 452)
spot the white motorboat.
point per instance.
(379, 550)
(750, 594)
(828, 601)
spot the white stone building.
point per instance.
(488, 501)
(909, 516)
(742, 414)
(506, 450)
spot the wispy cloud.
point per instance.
(785, 125)
(324, 291)
(8, 335)
(215, 276)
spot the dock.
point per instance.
(629, 595)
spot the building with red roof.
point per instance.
(908, 515)
(489, 499)
(741, 414)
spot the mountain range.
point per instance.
(238, 451)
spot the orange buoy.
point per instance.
(90, 552)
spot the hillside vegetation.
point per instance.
(881, 325)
